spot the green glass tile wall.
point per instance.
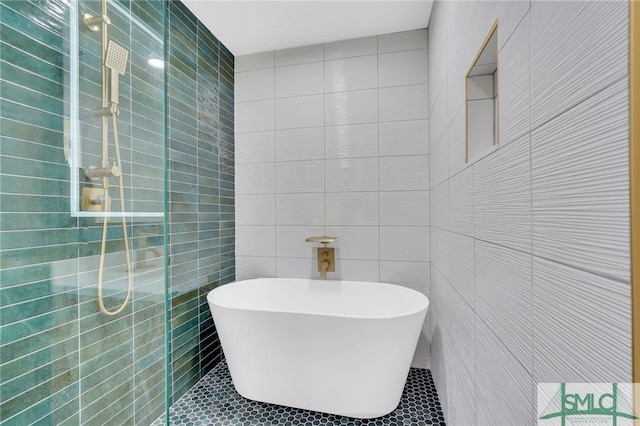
(201, 191)
(61, 362)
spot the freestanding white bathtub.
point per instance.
(339, 347)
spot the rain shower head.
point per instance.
(115, 59)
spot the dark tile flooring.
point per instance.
(214, 401)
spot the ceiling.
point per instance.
(257, 26)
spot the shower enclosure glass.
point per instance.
(83, 212)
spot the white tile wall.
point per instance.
(254, 85)
(354, 140)
(351, 107)
(404, 137)
(547, 299)
(299, 80)
(403, 68)
(301, 111)
(344, 152)
(348, 48)
(299, 144)
(351, 74)
(404, 103)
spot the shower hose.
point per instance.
(105, 185)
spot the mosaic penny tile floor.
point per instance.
(214, 401)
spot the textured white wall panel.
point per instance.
(502, 196)
(504, 297)
(461, 202)
(577, 48)
(580, 185)
(582, 326)
(513, 85)
(505, 392)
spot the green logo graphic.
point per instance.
(586, 404)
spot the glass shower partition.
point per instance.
(117, 168)
(83, 261)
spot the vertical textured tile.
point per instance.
(504, 297)
(461, 202)
(580, 185)
(504, 387)
(562, 73)
(582, 326)
(502, 196)
(513, 85)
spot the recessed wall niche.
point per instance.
(482, 99)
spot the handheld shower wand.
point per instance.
(114, 63)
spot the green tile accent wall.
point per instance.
(61, 362)
(201, 191)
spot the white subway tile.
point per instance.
(404, 103)
(355, 140)
(301, 111)
(350, 74)
(249, 267)
(355, 270)
(404, 243)
(351, 107)
(404, 173)
(256, 241)
(300, 176)
(255, 209)
(355, 242)
(409, 208)
(299, 80)
(254, 116)
(349, 48)
(404, 137)
(300, 144)
(253, 85)
(403, 68)
(413, 275)
(299, 55)
(290, 241)
(255, 178)
(351, 174)
(254, 147)
(351, 208)
(254, 61)
(405, 40)
(300, 209)
(291, 267)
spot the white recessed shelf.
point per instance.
(482, 99)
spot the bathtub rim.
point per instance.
(425, 307)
